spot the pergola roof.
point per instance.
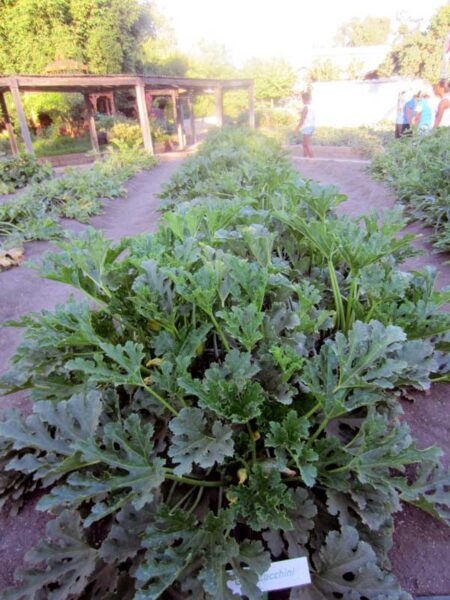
(92, 83)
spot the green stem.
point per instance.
(183, 499)
(161, 399)
(196, 501)
(340, 314)
(219, 331)
(352, 297)
(318, 431)
(312, 410)
(190, 481)
(252, 438)
(441, 378)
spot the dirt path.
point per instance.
(22, 291)
(421, 551)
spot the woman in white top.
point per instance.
(306, 124)
(443, 110)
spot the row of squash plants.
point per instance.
(228, 395)
(34, 213)
(417, 168)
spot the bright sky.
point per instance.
(285, 28)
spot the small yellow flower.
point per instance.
(243, 475)
(154, 325)
(231, 499)
(154, 362)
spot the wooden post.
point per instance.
(190, 100)
(8, 125)
(13, 86)
(174, 107)
(91, 123)
(113, 104)
(251, 107)
(179, 115)
(219, 106)
(143, 117)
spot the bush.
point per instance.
(417, 168)
(18, 171)
(228, 395)
(277, 118)
(129, 134)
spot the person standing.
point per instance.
(443, 110)
(307, 124)
(409, 112)
(400, 121)
(423, 114)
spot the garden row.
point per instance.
(418, 170)
(228, 395)
(78, 194)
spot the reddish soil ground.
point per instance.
(421, 552)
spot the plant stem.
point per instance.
(219, 331)
(340, 314)
(252, 438)
(312, 410)
(161, 399)
(318, 430)
(190, 481)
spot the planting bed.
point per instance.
(421, 552)
(277, 475)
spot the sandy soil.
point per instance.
(421, 552)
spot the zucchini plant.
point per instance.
(417, 169)
(227, 395)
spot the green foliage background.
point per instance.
(419, 54)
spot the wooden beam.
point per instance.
(143, 117)
(179, 122)
(190, 101)
(251, 107)
(21, 115)
(8, 125)
(91, 123)
(219, 106)
(94, 83)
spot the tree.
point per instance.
(370, 31)
(324, 69)
(212, 61)
(159, 52)
(105, 35)
(419, 54)
(274, 78)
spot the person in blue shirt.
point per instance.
(409, 111)
(423, 114)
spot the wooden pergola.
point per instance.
(144, 85)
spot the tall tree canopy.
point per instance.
(274, 78)
(103, 34)
(370, 31)
(419, 54)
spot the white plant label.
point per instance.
(280, 575)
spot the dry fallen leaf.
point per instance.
(11, 258)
